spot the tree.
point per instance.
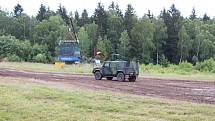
(184, 43)
(142, 44)
(63, 13)
(84, 41)
(84, 18)
(18, 10)
(193, 14)
(124, 44)
(100, 17)
(149, 14)
(172, 19)
(77, 18)
(92, 32)
(206, 17)
(49, 32)
(160, 35)
(118, 11)
(42, 13)
(114, 29)
(103, 45)
(129, 19)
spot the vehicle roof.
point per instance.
(116, 61)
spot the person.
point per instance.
(97, 61)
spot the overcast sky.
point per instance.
(31, 7)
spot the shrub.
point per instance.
(41, 58)
(13, 58)
(206, 66)
(185, 66)
(164, 61)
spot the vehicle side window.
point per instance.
(120, 65)
(106, 64)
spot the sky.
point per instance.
(141, 7)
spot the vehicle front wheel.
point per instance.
(120, 76)
(98, 75)
(132, 78)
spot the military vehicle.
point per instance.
(120, 68)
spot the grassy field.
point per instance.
(69, 68)
(147, 71)
(24, 100)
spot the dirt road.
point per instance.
(194, 91)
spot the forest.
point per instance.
(167, 38)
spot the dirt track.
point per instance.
(194, 91)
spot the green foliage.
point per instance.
(114, 29)
(164, 61)
(206, 66)
(49, 32)
(44, 13)
(85, 42)
(13, 58)
(41, 58)
(160, 34)
(63, 13)
(103, 45)
(100, 18)
(124, 44)
(173, 20)
(142, 36)
(184, 44)
(147, 38)
(92, 32)
(18, 10)
(8, 45)
(185, 66)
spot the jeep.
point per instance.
(122, 70)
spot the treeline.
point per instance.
(166, 38)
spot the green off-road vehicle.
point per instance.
(118, 68)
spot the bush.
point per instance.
(185, 66)
(40, 58)
(206, 66)
(164, 61)
(13, 58)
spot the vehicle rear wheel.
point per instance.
(120, 76)
(109, 78)
(132, 78)
(98, 75)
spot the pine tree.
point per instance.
(63, 13)
(77, 18)
(172, 19)
(206, 17)
(129, 19)
(18, 10)
(193, 14)
(100, 17)
(42, 13)
(84, 18)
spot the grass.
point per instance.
(145, 70)
(73, 68)
(23, 100)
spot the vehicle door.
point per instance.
(113, 67)
(106, 69)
